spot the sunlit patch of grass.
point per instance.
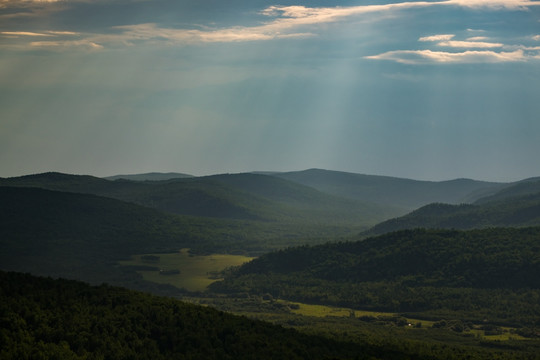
(323, 310)
(195, 272)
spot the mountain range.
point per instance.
(320, 237)
(59, 224)
(237, 196)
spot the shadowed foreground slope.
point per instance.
(59, 319)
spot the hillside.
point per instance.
(384, 190)
(176, 196)
(480, 274)
(43, 318)
(82, 236)
(519, 189)
(511, 212)
(240, 196)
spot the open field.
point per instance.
(194, 273)
(183, 270)
(340, 320)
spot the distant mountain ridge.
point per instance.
(516, 205)
(521, 188)
(234, 196)
(151, 176)
(405, 193)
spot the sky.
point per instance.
(430, 90)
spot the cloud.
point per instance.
(438, 57)
(22, 4)
(283, 22)
(144, 32)
(536, 37)
(477, 38)
(44, 33)
(22, 33)
(437, 37)
(514, 53)
(494, 4)
(86, 44)
(286, 23)
(469, 44)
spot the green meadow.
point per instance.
(184, 270)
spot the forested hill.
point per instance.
(521, 211)
(238, 196)
(412, 270)
(405, 193)
(82, 236)
(59, 319)
(491, 258)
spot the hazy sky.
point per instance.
(420, 89)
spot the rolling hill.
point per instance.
(405, 193)
(82, 236)
(239, 196)
(519, 189)
(514, 206)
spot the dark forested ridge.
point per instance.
(518, 211)
(41, 318)
(82, 236)
(492, 273)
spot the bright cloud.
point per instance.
(22, 33)
(142, 32)
(284, 22)
(536, 37)
(90, 45)
(477, 38)
(437, 37)
(25, 3)
(433, 57)
(469, 44)
(494, 4)
(45, 33)
(287, 19)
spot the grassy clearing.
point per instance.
(323, 311)
(195, 272)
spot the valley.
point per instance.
(312, 251)
(183, 270)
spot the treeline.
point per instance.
(493, 273)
